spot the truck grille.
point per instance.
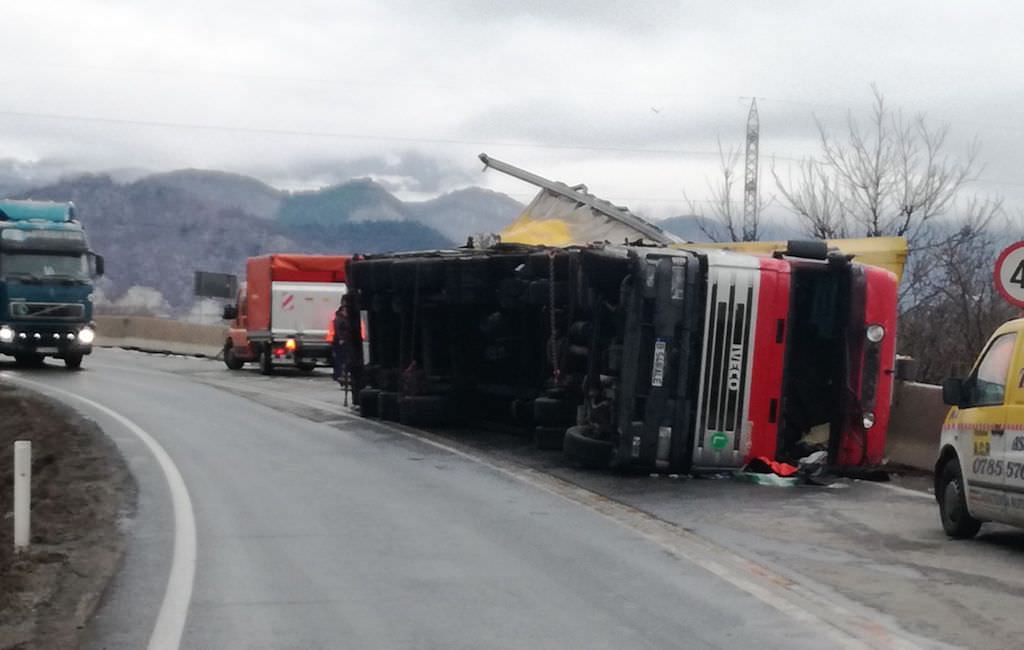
(48, 310)
(722, 404)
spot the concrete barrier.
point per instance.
(916, 425)
(159, 335)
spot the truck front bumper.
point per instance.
(45, 340)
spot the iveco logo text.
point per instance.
(735, 358)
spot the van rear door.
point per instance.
(304, 309)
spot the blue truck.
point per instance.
(46, 283)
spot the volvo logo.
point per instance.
(735, 359)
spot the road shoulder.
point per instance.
(82, 491)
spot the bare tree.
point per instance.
(893, 176)
(956, 307)
(816, 198)
(725, 221)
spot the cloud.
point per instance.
(408, 92)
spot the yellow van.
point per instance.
(979, 475)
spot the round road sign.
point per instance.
(1009, 274)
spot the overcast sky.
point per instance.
(628, 97)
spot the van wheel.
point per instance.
(73, 361)
(956, 520)
(266, 360)
(231, 359)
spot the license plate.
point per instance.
(46, 350)
(658, 373)
(982, 443)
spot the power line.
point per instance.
(347, 136)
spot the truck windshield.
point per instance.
(43, 266)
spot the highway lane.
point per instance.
(345, 534)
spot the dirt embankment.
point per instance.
(81, 490)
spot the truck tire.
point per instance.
(266, 360)
(580, 449)
(553, 412)
(368, 398)
(387, 405)
(73, 361)
(422, 410)
(28, 360)
(231, 359)
(956, 520)
(306, 366)
(549, 437)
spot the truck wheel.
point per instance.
(266, 360)
(73, 361)
(956, 520)
(28, 360)
(549, 437)
(306, 366)
(387, 405)
(368, 398)
(553, 412)
(231, 359)
(422, 410)
(580, 449)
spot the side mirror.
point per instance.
(230, 312)
(953, 391)
(98, 266)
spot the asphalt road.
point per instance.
(317, 529)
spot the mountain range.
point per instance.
(157, 230)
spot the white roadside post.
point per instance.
(22, 493)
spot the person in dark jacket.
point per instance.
(339, 334)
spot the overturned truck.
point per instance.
(646, 358)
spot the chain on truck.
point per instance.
(46, 290)
(644, 358)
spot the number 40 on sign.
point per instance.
(1009, 274)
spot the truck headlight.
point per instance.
(86, 335)
(869, 420)
(875, 333)
(6, 334)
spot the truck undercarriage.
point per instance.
(632, 357)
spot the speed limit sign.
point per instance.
(1009, 275)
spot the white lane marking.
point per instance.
(901, 490)
(170, 622)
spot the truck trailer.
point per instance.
(46, 283)
(283, 312)
(647, 358)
